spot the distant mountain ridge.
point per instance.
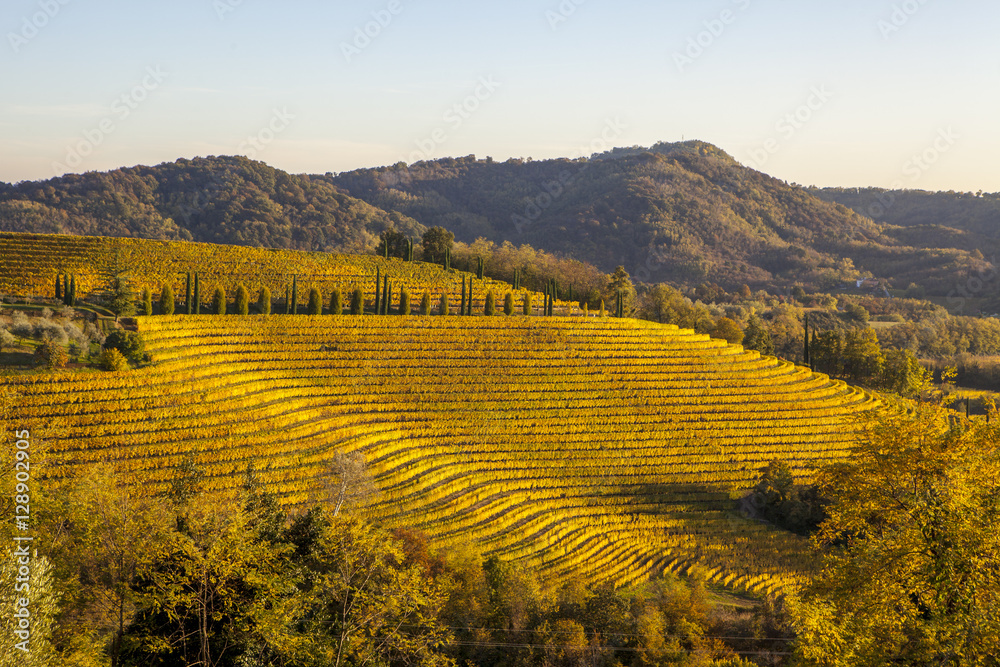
(684, 213)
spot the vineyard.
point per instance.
(611, 448)
(30, 263)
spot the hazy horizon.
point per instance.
(884, 94)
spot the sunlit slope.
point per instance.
(610, 448)
(29, 264)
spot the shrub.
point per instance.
(336, 302)
(129, 343)
(491, 304)
(219, 301)
(425, 304)
(112, 360)
(242, 300)
(526, 308)
(264, 301)
(51, 355)
(404, 302)
(357, 302)
(443, 307)
(315, 306)
(147, 302)
(508, 304)
(166, 300)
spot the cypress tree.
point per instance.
(295, 295)
(187, 295)
(357, 302)
(288, 301)
(805, 341)
(603, 314)
(59, 295)
(508, 304)
(242, 300)
(378, 289)
(461, 308)
(491, 304)
(147, 302)
(336, 302)
(404, 302)
(315, 306)
(197, 295)
(526, 306)
(72, 290)
(386, 296)
(65, 293)
(479, 268)
(219, 301)
(425, 304)
(264, 301)
(166, 300)
(443, 306)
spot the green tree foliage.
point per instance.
(777, 499)
(51, 355)
(336, 302)
(437, 242)
(264, 301)
(112, 360)
(910, 574)
(404, 301)
(662, 303)
(863, 359)
(147, 302)
(508, 304)
(728, 330)
(491, 304)
(129, 343)
(526, 304)
(425, 303)
(827, 351)
(757, 337)
(903, 374)
(443, 307)
(219, 301)
(619, 280)
(357, 302)
(315, 306)
(166, 300)
(393, 242)
(242, 300)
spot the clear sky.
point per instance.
(886, 93)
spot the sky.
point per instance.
(886, 93)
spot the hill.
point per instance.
(230, 200)
(684, 212)
(612, 448)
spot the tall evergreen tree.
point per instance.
(72, 290)
(461, 308)
(336, 302)
(443, 307)
(425, 304)
(288, 300)
(167, 300)
(404, 301)
(378, 291)
(187, 295)
(197, 294)
(315, 306)
(805, 341)
(295, 295)
(357, 302)
(147, 302)
(468, 309)
(526, 306)
(264, 301)
(219, 301)
(491, 304)
(59, 295)
(508, 304)
(242, 300)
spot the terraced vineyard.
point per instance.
(610, 448)
(29, 264)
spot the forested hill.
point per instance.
(230, 200)
(944, 219)
(683, 212)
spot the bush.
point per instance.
(508, 304)
(219, 301)
(443, 307)
(112, 360)
(147, 302)
(242, 300)
(264, 301)
(425, 304)
(166, 300)
(526, 307)
(336, 303)
(129, 343)
(404, 302)
(357, 302)
(315, 306)
(51, 355)
(491, 304)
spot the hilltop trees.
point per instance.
(728, 330)
(756, 336)
(437, 243)
(393, 244)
